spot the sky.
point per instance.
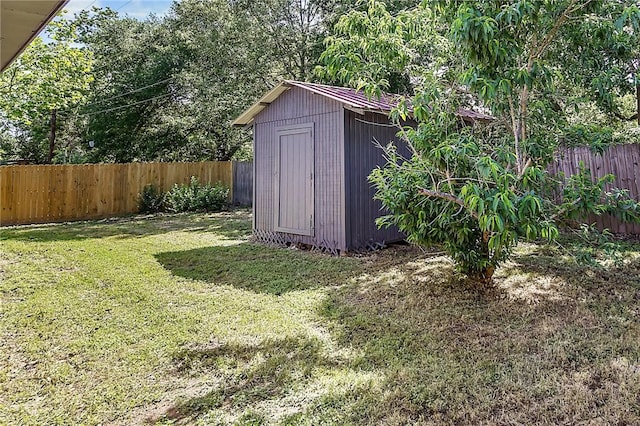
(138, 9)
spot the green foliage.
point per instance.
(46, 77)
(582, 194)
(373, 51)
(196, 197)
(162, 89)
(477, 190)
(167, 89)
(628, 135)
(150, 200)
(596, 247)
(453, 194)
(191, 197)
(597, 138)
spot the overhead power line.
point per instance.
(123, 5)
(122, 95)
(91, 4)
(140, 89)
(129, 105)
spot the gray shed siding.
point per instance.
(361, 157)
(297, 107)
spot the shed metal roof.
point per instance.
(347, 96)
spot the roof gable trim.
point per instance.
(351, 99)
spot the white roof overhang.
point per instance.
(20, 22)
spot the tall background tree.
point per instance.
(162, 88)
(45, 80)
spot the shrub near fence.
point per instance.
(623, 161)
(56, 193)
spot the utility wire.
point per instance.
(123, 5)
(132, 91)
(123, 106)
(86, 7)
(123, 94)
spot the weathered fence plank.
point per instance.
(243, 183)
(623, 161)
(57, 193)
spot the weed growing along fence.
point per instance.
(56, 193)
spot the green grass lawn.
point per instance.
(181, 320)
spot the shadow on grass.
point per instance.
(258, 268)
(552, 265)
(230, 225)
(452, 356)
(445, 352)
(254, 373)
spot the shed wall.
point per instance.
(361, 157)
(298, 106)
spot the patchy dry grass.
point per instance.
(180, 320)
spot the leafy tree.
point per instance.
(351, 58)
(603, 53)
(293, 31)
(132, 84)
(45, 79)
(476, 189)
(168, 89)
(226, 64)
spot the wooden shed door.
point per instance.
(295, 180)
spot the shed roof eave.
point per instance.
(248, 116)
(250, 113)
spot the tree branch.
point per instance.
(448, 197)
(552, 33)
(566, 208)
(623, 118)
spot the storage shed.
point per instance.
(313, 149)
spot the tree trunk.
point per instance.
(52, 134)
(638, 99)
(483, 279)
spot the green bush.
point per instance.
(627, 136)
(196, 197)
(599, 138)
(151, 200)
(595, 137)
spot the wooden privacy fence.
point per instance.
(56, 193)
(623, 161)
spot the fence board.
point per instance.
(623, 161)
(55, 193)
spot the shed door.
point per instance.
(294, 180)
